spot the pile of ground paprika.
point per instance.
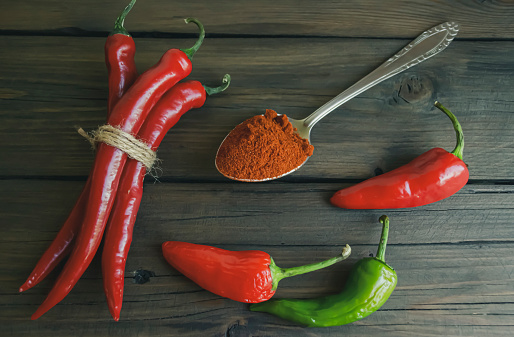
(264, 146)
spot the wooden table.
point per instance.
(454, 258)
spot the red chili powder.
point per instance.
(262, 147)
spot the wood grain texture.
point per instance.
(264, 215)
(453, 260)
(376, 18)
(51, 85)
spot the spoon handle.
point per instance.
(428, 44)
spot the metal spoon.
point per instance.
(428, 44)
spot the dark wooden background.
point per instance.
(454, 258)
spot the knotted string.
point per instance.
(133, 147)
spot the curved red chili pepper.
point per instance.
(128, 115)
(118, 234)
(119, 58)
(433, 176)
(249, 276)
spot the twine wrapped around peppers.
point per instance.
(133, 147)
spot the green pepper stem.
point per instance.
(190, 52)
(212, 91)
(459, 148)
(278, 273)
(384, 220)
(118, 25)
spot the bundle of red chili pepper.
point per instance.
(139, 107)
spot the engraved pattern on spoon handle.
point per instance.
(428, 44)
(451, 29)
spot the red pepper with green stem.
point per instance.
(119, 58)
(433, 176)
(118, 235)
(128, 116)
(249, 276)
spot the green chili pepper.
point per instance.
(369, 285)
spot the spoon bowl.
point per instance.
(426, 45)
(299, 128)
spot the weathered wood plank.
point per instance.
(453, 259)
(52, 84)
(273, 214)
(479, 19)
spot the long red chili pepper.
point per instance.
(128, 115)
(118, 235)
(249, 276)
(119, 58)
(433, 176)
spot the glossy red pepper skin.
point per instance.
(118, 236)
(249, 276)
(122, 72)
(243, 276)
(128, 115)
(119, 59)
(120, 50)
(433, 176)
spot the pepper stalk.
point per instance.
(278, 273)
(120, 20)
(216, 90)
(459, 148)
(190, 52)
(384, 220)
